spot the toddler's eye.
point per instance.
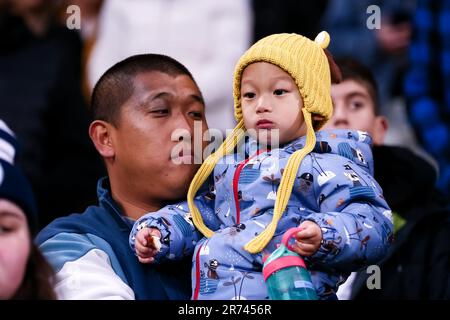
(279, 92)
(249, 95)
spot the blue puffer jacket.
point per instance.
(334, 188)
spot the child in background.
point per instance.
(320, 181)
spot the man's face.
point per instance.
(354, 109)
(159, 107)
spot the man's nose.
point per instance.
(184, 127)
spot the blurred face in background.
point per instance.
(353, 108)
(14, 247)
(24, 6)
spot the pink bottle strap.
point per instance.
(288, 235)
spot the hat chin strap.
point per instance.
(205, 170)
(285, 189)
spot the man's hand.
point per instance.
(308, 239)
(147, 244)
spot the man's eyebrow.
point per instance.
(148, 99)
(168, 95)
(197, 98)
(159, 95)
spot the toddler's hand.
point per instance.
(308, 239)
(147, 244)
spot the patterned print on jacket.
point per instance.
(334, 188)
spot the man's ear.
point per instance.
(100, 133)
(380, 129)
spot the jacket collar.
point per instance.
(106, 201)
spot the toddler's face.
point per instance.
(271, 104)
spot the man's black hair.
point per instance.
(352, 69)
(116, 85)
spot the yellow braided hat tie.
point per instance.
(205, 170)
(285, 189)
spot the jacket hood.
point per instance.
(351, 144)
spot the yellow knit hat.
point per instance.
(303, 59)
(307, 64)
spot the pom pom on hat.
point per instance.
(323, 39)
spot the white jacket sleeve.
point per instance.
(83, 270)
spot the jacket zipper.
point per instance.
(197, 273)
(237, 174)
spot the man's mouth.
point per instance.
(264, 124)
(185, 153)
(184, 156)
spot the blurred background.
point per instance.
(47, 71)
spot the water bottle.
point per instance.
(285, 273)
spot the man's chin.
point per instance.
(184, 169)
(183, 160)
(182, 175)
(179, 195)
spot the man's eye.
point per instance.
(160, 112)
(279, 92)
(196, 114)
(249, 95)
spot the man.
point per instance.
(137, 105)
(417, 265)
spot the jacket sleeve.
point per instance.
(178, 233)
(86, 268)
(355, 220)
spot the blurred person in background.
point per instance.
(383, 50)
(41, 100)
(89, 11)
(379, 39)
(427, 83)
(418, 263)
(24, 273)
(287, 16)
(207, 36)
